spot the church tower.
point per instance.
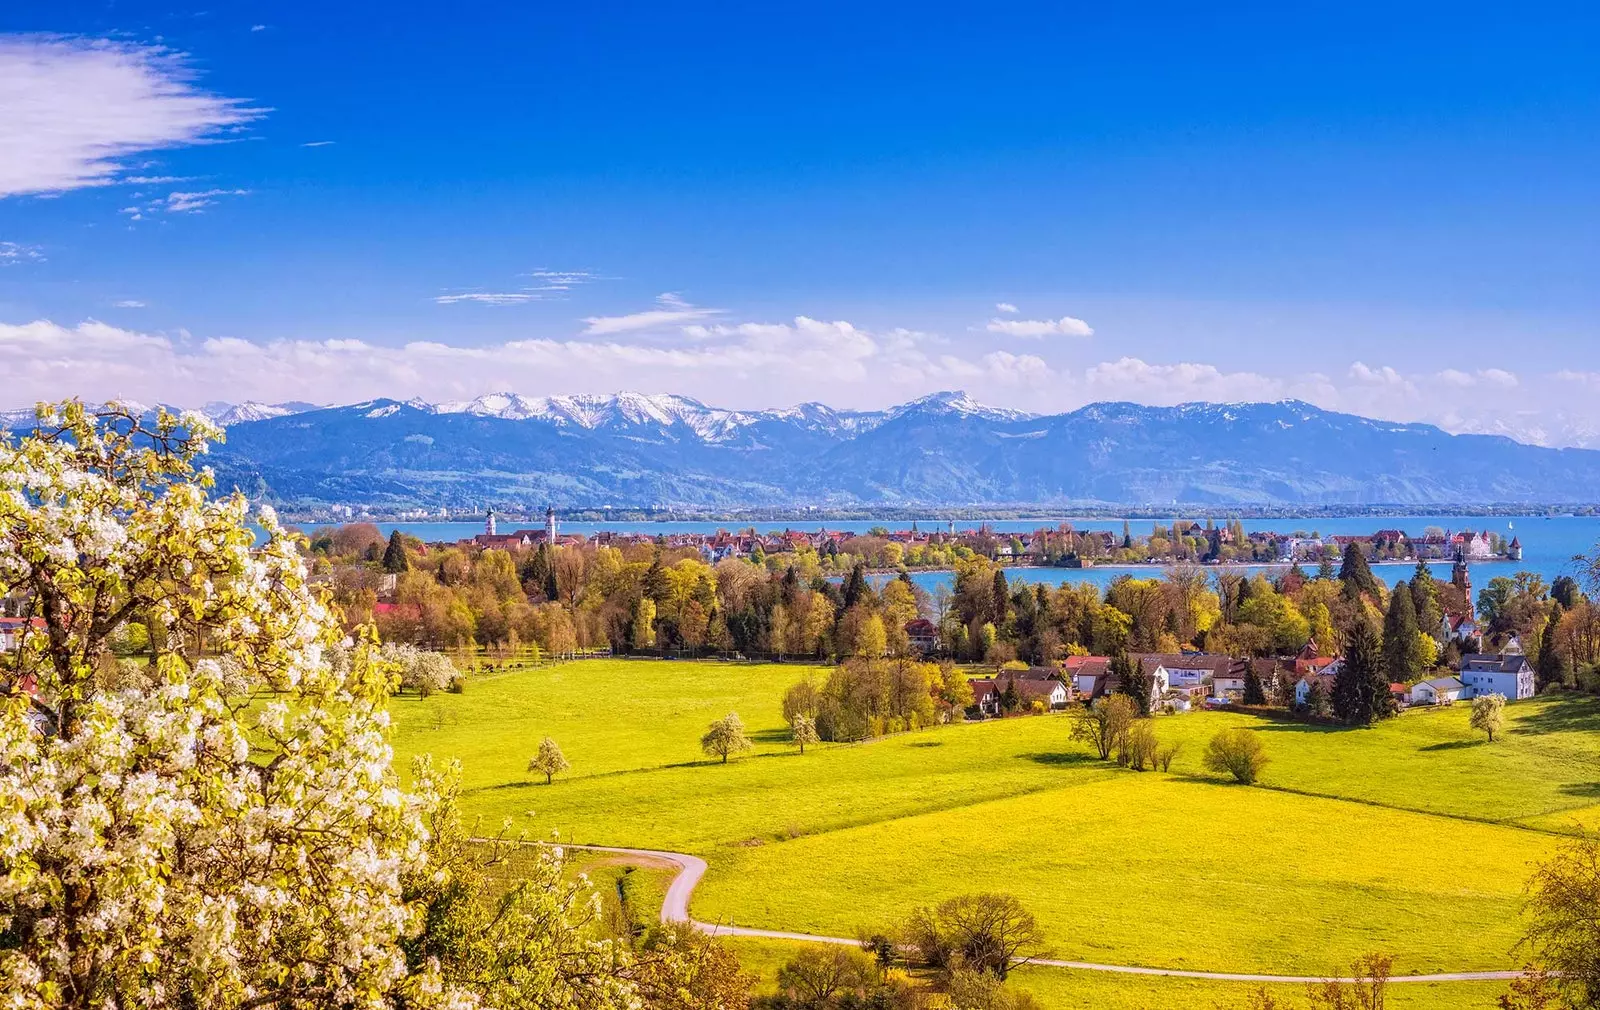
(550, 525)
(1461, 577)
(488, 524)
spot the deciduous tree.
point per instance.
(726, 738)
(1104, 724)
(549, 761)
(1489, 713)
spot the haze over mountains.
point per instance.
(632, 449)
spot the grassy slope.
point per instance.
(1413, 836)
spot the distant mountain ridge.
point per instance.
(946, 449)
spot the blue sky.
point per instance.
(1395, 212)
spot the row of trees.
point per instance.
(650, 597)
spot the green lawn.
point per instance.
(1414, 837)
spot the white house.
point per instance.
(14, 629)
(1439, 691)
(1224, 684)
(1510, 676)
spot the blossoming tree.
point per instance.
(224, 830)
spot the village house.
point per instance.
(1508, 675)
(1090, 676)
(1439, 691)
(1302, 689)
(923, 635)
(985, 696)
(1040, 683)
(1191, 673)
(14, 629)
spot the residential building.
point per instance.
(1508, 675)
(1438, 691)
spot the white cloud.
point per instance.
(734, 364)
(258, 28)
(1482, 377)
(72, 109)
(1383, 375)
(13, 253)
(673, 311)
(128, 303)
(1130, 378)
(1066, 326)
(1006, 307)
(318, 143)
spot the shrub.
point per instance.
(1165, 755)
(1236, 752)
(1139, 747)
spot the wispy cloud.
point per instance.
(128, 303)
(13, 253)
(72, 109)
(1066, 326)
(155, 180)
(318, 143)
(486, 298)
(258, 28)
(673, 311)
(548, 286)
(1006, 307)
(183, 203)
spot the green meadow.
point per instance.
(1414, 837)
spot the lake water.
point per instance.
(1548, 543)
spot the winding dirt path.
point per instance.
(691, 868)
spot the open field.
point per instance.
(1414, 837)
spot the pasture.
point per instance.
(1414, 837)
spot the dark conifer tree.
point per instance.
(1325, 572)
(394, 555)
(1356, 574)
(855, 584)
(656, 584)
(1400, 637)
(1132, 680)
(1254, 694)
(1425, 598)
(999, 595)
(1550, 666)
(1564, 590)
(1353, 699)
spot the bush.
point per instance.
(1236, 752)
(1165, 755)
(1139, 747)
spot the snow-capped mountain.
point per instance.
(660, 410)
(227, 414)
(945, 449)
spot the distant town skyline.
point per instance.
(1390, 213)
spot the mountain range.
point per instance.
(633, 449)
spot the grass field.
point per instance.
(1414, 837)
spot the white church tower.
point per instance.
(550, 525)
(488, 524)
